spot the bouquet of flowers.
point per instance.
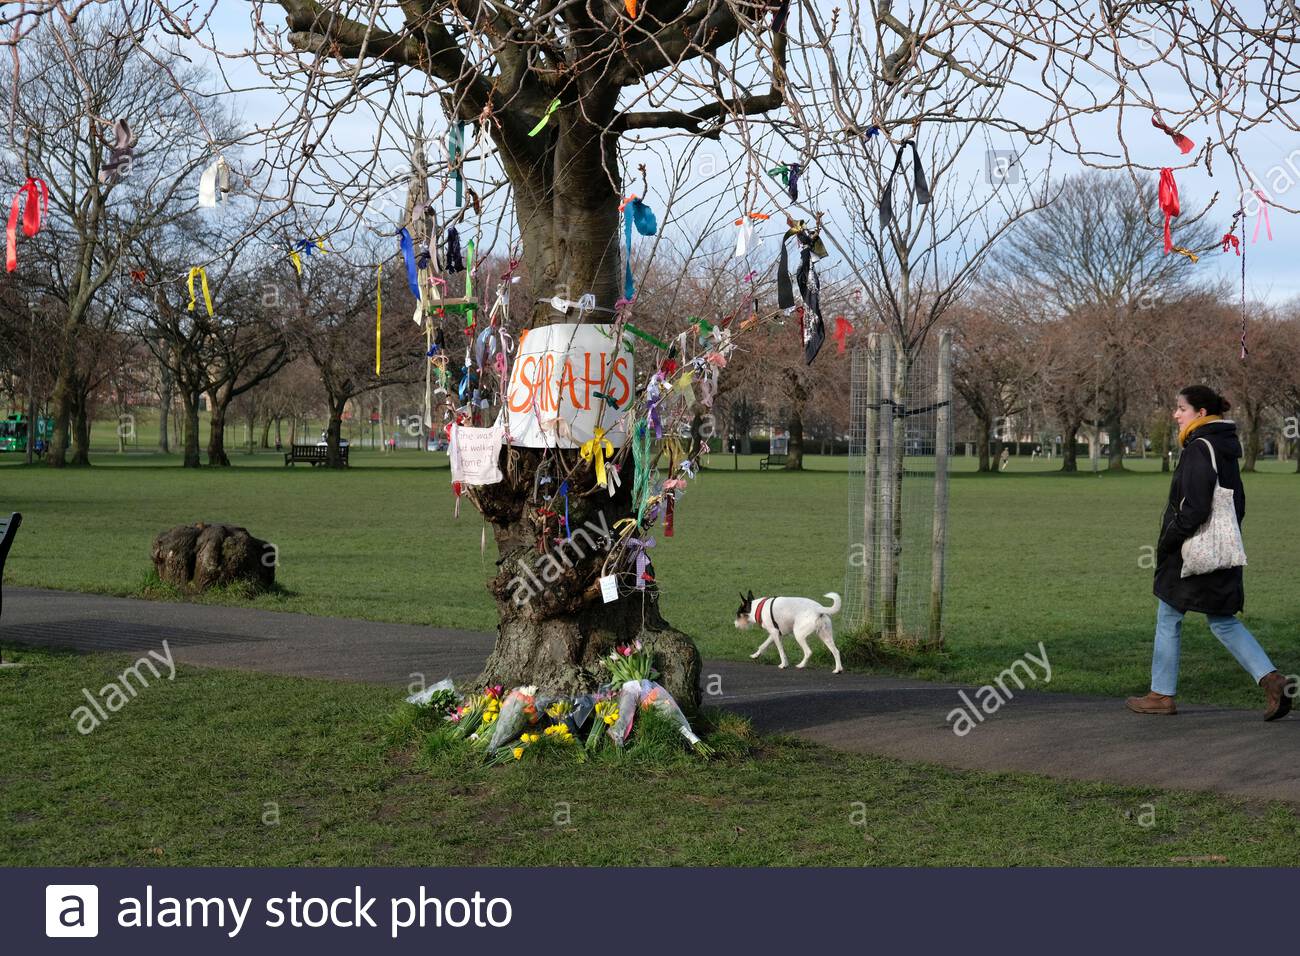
(644, 695)
(518, 710)
(606, 714)
(630, 662)
(475, 712)
(556, 736)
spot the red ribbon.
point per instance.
(1168, 202)
(138, 275)
(35, 196)
(668, 519)
(1230, 240)
(1181, 141)
(843, 329)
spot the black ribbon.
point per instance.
(920, 187)
(784, 291)
(455, 262)
(814, 329)
(779, 17)
(792, 187)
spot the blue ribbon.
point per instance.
(408, 253)
(635, 213)
(564, 491)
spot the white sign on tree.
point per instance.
(567, 381)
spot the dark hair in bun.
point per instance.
(1202, 396)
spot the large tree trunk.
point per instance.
(794, 454)
(164, 408)
(1254, 424)
(1114, 426)
(217, 430)
(266, 431)
(1069, 449)
(554, 627)
(190, 404)
(62, 400)
(80, 425)
(333, 433)
(567, 195)
(983, 443)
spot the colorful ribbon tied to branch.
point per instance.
(202, 275)
(637, 548)
(541, 123)
(305, 247)
(1181, 141)
(920, 188)
(792, 187)
(215, 178)
(120, 154)
(1262, 216)
(654, 394)
(635, 213)
(455, 158)
(379, 313)
(843, 329)
(630, 7)
(408, 255)
(1229, 240)
(34, 196)
(779, 17)
(642, 334)
(1168, 203)
(455, 261)
(595, 451)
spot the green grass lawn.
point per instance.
(1035, 555)
(220, 768)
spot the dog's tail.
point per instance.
(835, 603)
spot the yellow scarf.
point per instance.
(1194, 424)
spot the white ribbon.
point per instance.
(216, 176)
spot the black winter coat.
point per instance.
(1191, 494)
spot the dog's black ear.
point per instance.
(751, 596)
(743, 599)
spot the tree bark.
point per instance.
(164, 408)
(1114, 426)
(190, 404)
(1254, 423)
(982, 443)
(80, 426)
(333, 433)
(1069, 449)
(217, 431)
(794, 455)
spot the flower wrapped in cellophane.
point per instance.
(518, 712)
(645, 695)
(630, 662)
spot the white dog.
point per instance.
(791, 615)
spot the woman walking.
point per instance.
(1210, 445)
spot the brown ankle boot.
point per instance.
(1279, 701)
(1152, 703)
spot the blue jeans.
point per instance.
(1226, 627)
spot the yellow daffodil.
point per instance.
(518, 752)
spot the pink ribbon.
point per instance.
(1262, 216)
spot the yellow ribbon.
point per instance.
(1186, 252)
(296, 257)
(628, 531)
(555, 105)
(596, 449)
(203, 282)
(379, 313)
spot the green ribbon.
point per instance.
(783, 172)
(555, 105)
(469, 281)
(645, 335)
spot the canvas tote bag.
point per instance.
(1217, 543)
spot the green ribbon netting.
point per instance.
(641, 461)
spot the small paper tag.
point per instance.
(609, 588)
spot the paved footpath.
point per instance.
(1082, 738)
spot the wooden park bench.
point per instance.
(311, 454)
(770, 461)
(8, 528)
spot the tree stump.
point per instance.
(201, 556)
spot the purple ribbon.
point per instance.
(654, 395)
(638, 546)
